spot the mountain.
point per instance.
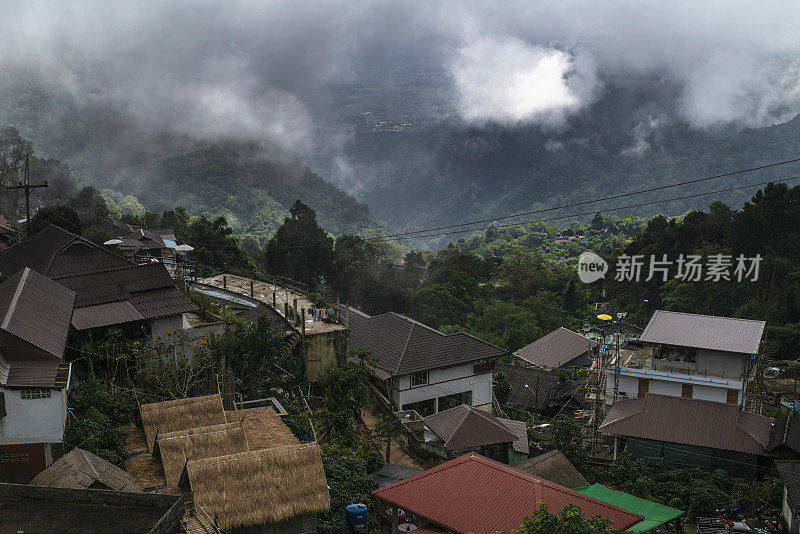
(252, 185)
(632, 138)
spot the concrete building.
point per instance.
(420, 368)
(692, 356)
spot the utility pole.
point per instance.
(26, 186)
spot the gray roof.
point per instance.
(391, 473)
(519, 429)
(36, 310)
(695, 422)
(555, 467)
(790, 474)
(80, 469)
(465, 427)
(726, 334)
(543, 390)
(557, 348)
(401, 345)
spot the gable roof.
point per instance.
(465, 427)
(80, 469)
(695, 422)
(36, 310)
(261, 486)
(555, 467)
(180, 414)
(176, 448)
(475, 494)
(401, 345)
(726, 334)
(557, 348)
(790, 475)
(786, 433)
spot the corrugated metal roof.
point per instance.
(474, 494)
(401, 345)
(107, 314)
(519, 429)
(557, 348)
(35, 373)
(162, 302)
(465, 427)
(695, 422)
(704, 332)
(539, 389)
(36, 310)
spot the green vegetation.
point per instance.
(569, 521)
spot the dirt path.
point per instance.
(397, 452)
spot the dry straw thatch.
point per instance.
(263, 427)
(197, 443)
(180, 414)
(262, 486)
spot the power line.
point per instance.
(613, 197)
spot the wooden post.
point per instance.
(303, 355)
(615, 446)
(295, 316)
(224, 282)
(286, 310)
(273, 301)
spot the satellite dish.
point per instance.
(184, 248)
(113, 242)
(587, 327)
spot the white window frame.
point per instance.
(417, 379)
(34, 393)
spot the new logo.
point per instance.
(591, 267)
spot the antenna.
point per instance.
(26, 186)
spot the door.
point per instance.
(644, 387)
(687, 391)
(733, 396)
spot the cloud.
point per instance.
(642, 133)
(508, 80)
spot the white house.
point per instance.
(692, 356)
(35, 315)
(420, 368)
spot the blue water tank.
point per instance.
(355, 515)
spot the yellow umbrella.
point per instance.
(604, 317)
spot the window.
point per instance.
(457, 399)
(687, 391)
(13, 457)
(35, 393)
(733, 396)
(419, 379)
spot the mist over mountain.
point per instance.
(432, 113)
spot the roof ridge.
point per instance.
(495, 421)
(17, 292)
(405, 348)
(711, 316)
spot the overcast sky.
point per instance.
(253, 69)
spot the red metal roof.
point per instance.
(473, 494)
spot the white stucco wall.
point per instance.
(443, 382)
(165, 325)
(706, 389)
(32, 420)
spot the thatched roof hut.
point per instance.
(80, 469)
(262, 486)
(197, 443)
(263, 427)
(180, 414)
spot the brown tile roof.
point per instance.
(555, 467)
(555, 349)
(695, 422)
(704, 332)
(465, 427)
(401, 345)
(107, 314)
(36, 310)
(80, 469)
(473, 494)
(34, 373)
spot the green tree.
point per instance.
(569, 521)
(300, 249)
(62, 216)
(566, 435)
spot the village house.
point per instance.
(790, 507)
(691, 356)
(691, 432)
(110, 290)
(473, 494)
(560, 349)
(80, 469)
(465, 428)
(419, 368)
(542, 391)
(35, 315)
